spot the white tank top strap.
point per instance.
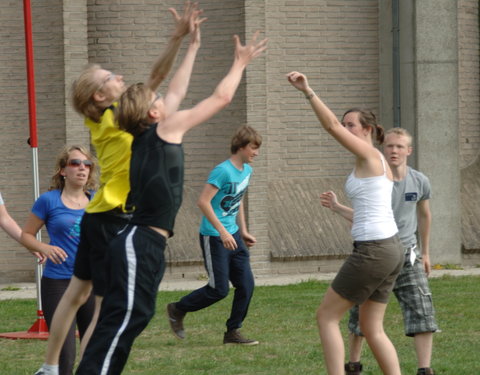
(383, 164)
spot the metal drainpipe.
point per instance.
(396, 62)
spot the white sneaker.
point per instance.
(47, 370)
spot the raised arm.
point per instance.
(329, 121)
(176, 125)
(329, 200)
(28, 239)
(164, 63)
(177, 89)
(424, 217)
(9, 225)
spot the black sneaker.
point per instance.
(235, 337)
(39, 372)
(175, 318)
(353, 368)
(425, 371)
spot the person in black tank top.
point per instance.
(94, 96)
(156, 181)
(136, 259)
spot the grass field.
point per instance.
(282, 319)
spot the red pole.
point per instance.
(40, 326)
(27, 14)
(39, 329)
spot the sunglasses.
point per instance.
(109, 78)
(157, 96)
(77, 162)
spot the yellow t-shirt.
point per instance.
(113, 148)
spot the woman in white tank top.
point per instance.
(367, 276)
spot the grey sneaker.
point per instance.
(353, 368)
(47, 370)
(235, 337)
(175, 318)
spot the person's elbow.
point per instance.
(425, 216)
(201, 204)
(223, 99)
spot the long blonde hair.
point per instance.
(82, 91)
(58, 181)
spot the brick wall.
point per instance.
(75, 46)
(468, 81)
(16, 178)
(257, 98)
(127, 36)
(335, 42)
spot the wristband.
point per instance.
(310, 96)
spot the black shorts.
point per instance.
(96, 231)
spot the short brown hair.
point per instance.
(132, 110)
(243, 136)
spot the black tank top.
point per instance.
(156, 180)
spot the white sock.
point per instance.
(50, 369)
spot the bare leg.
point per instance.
(91, 326)
(75, 296)
(329, 314)
(371, 324)
(423, 348)
(355, 344)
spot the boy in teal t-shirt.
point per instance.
(224, 239)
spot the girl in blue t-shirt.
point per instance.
(61, 209)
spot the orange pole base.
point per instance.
(38, 330)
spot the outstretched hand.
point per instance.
(249, 51)
(298, 80)
(195, 30)
(185, 23)
(329, 200)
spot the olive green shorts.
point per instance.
(370, 271)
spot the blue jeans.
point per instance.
(222, 266)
